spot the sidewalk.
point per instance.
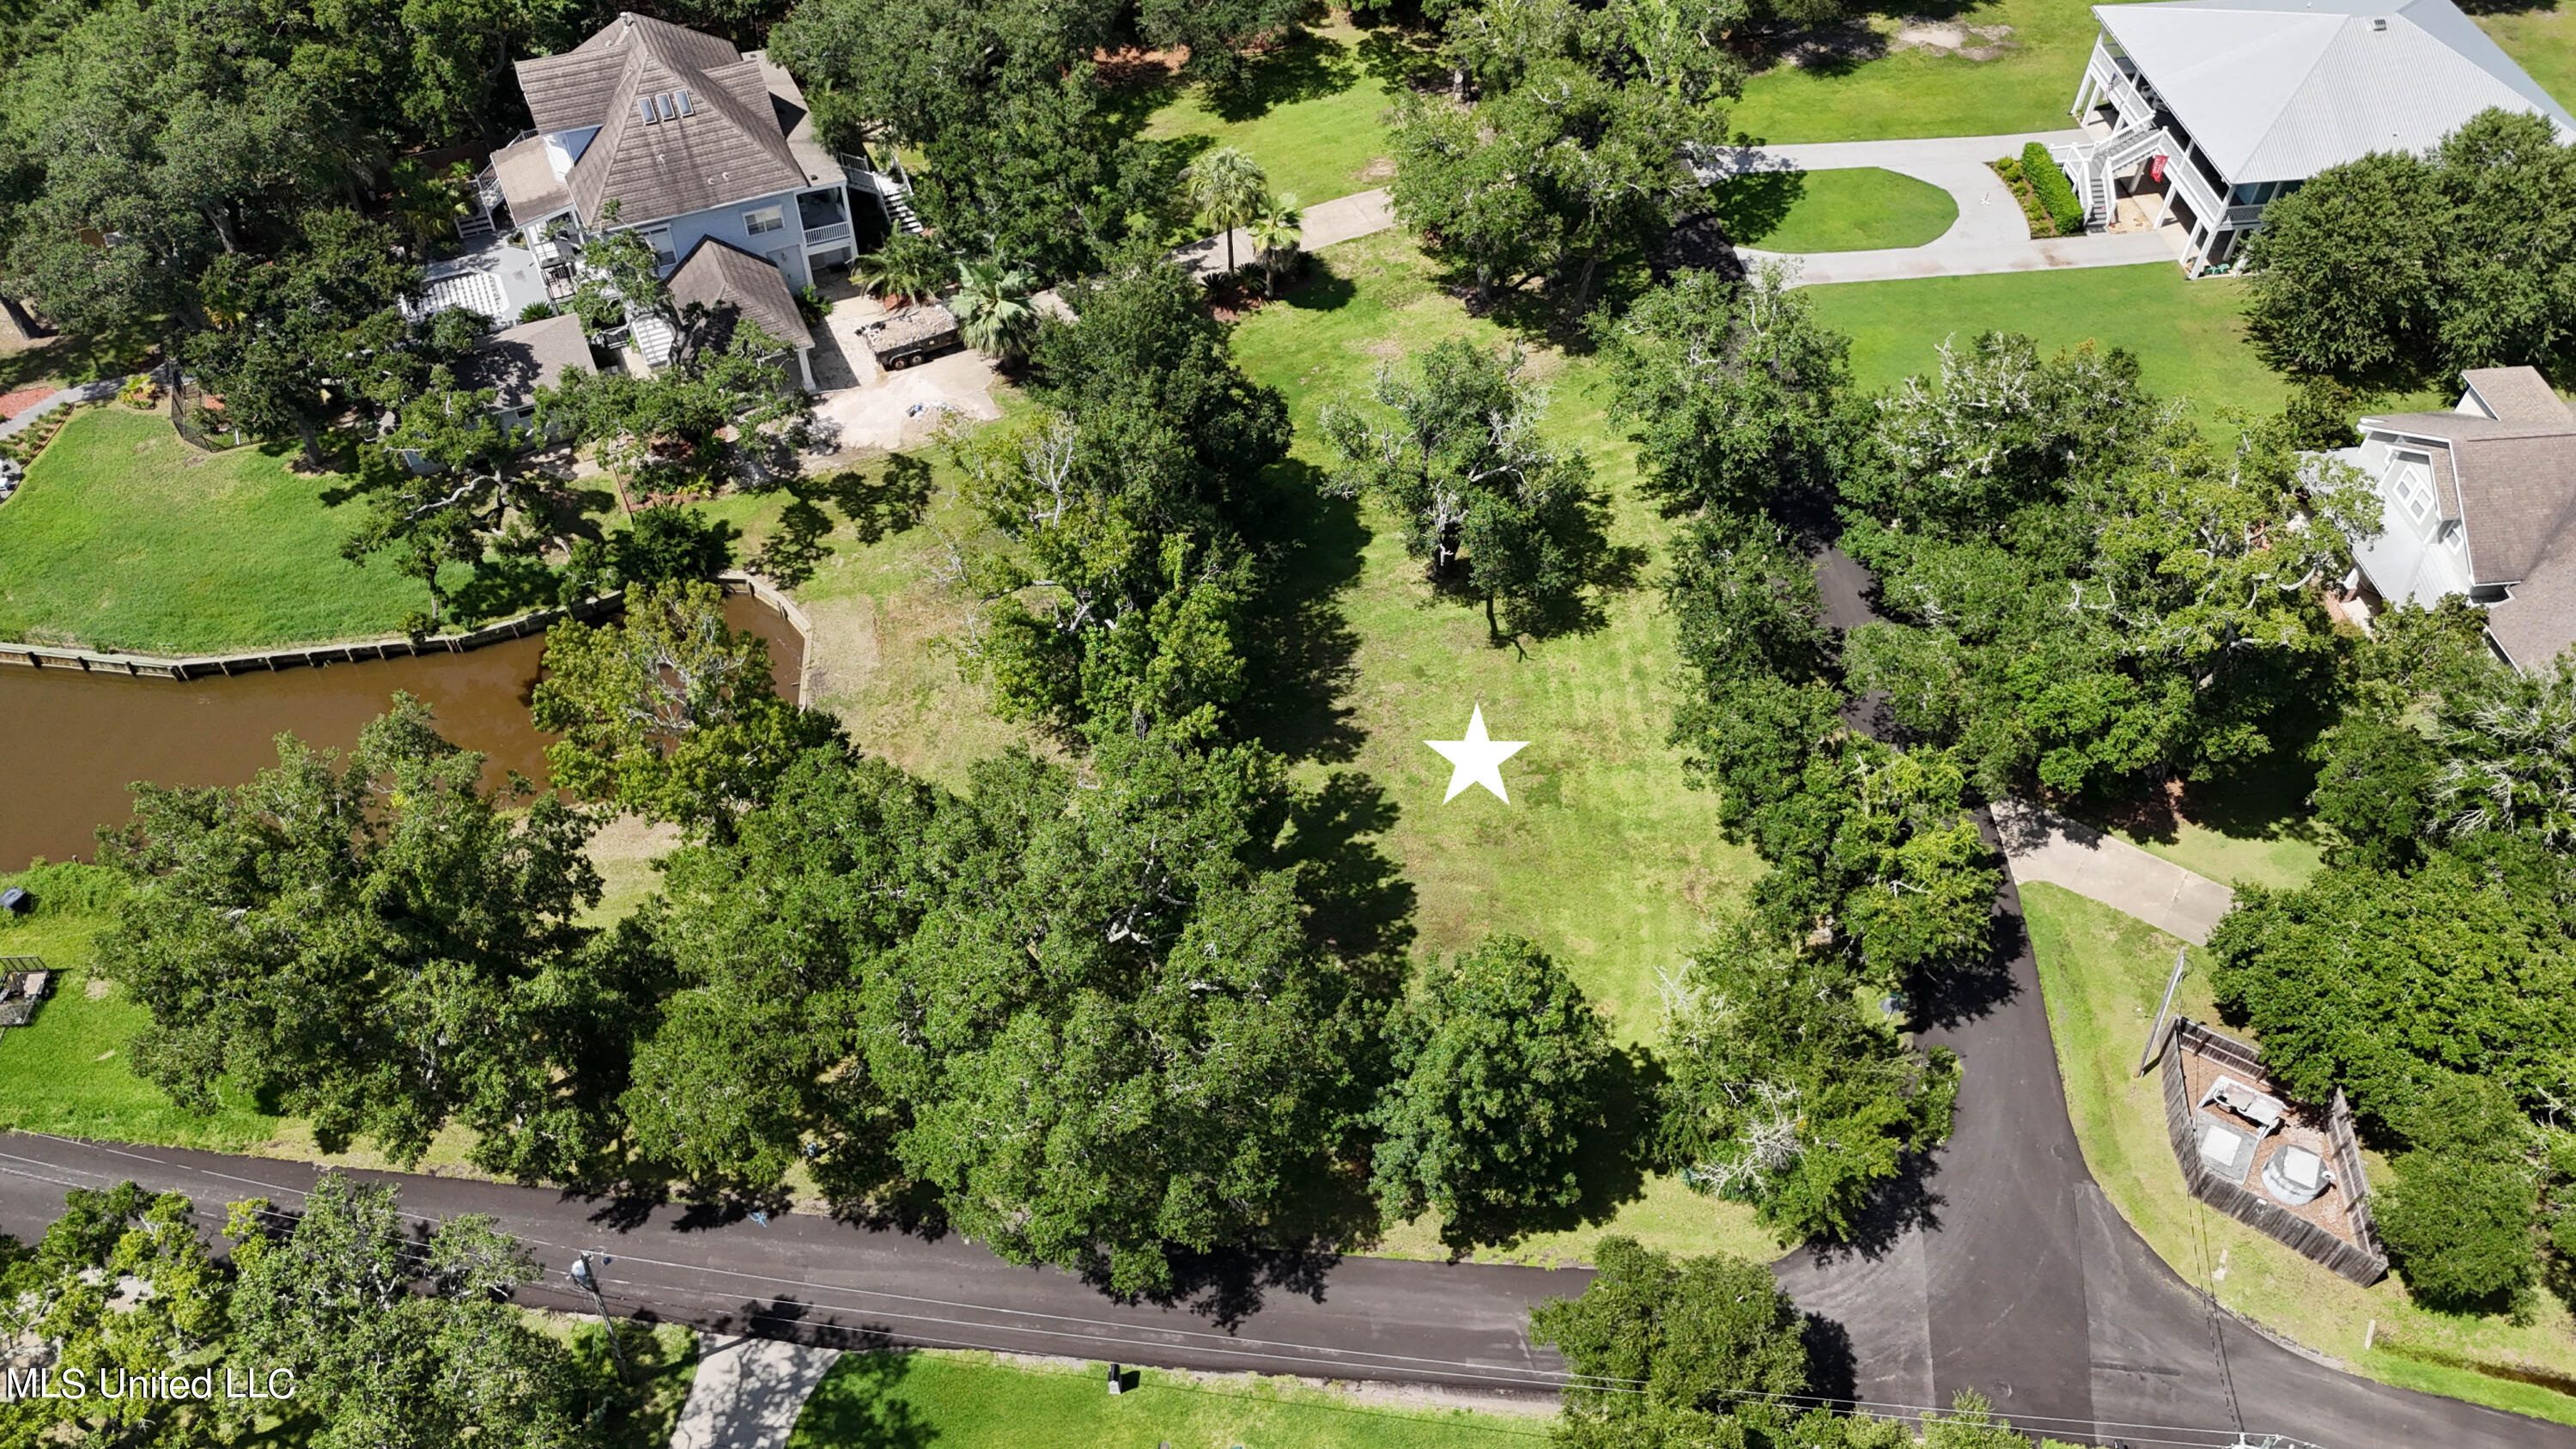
(2041, 846)
(748, 1392)
(105, 387)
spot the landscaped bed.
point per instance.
(2102, 974)
(126, 537)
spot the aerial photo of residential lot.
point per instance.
(1649, 724)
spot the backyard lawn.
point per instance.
(2102, 974)
(2189, 336)
(962, 1400)
(2542, 38)
(1312, 115)
(1847, 210)
(125, 537)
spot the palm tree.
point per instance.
(908, 268)
(1227, 189)
(992, 307)
(1276, 231)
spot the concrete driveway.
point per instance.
(869, 409)
(1990, 234)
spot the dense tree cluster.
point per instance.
(387, 1338)
(2082, 592)
(1564, 151)
(2427, 972)
(2403, 269)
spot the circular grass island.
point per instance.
(1854, 209)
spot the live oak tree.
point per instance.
(2405, 269)
(121, 1282)
(1675, 1352)
(2458, 1218)
(2081, 591)
(1088, 1013)
(1109, 586)
(1783, 1094)
(396, 1343)
(667, 429)
(2379, 981)
(1452, 450)
(1732, 391)
(1499, 1071)
(667, 711)
(379, 945)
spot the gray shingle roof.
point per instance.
(729, 147)
(2278, 90)
(728, 283)
(2518, 394)
(515, 362)
(2516, 480)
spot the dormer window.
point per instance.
(2410, 485)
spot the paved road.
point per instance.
(2044, 846)
(822, 1282)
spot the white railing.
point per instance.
(838, 231)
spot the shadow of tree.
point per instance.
(1359, 904)
(1226, 1287)
(1753, 205)
(1298, 662)
(860, 1405)
(1305, 67)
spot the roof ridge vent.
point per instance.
(2379, 22)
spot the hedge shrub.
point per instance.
(2055, 191)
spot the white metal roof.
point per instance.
(2278, 90)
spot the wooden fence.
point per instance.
(145, 666)
(2362, 1263)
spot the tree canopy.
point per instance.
(2405, 269)
(377, 944)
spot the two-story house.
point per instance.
(2220, 107)
(690, 143)
(2479, 502)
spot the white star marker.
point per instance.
(1476, 760)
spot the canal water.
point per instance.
(70, 743)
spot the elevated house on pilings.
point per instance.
(2206, 111)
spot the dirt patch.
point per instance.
(1952, 37)
(97, 989)
(1380, 168)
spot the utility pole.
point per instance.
(584, 1278)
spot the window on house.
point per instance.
(765, 220)
(2410, 484)
(660, 239)
(2458, 539)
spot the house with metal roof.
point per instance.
(2478, 502)
(2218, 107)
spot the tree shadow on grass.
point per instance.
(859, 1405)
(1299, 658)
(1305, 67)
(1359, 905)
(1753, 205)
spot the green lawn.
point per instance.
(961, 1400)
(1854, 209)
(1917, 92)
(1312, 114)
(127, 538)
(2189, 336)
(66, 1073)
(2102, 974)
(2542, 38)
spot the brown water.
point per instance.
(70, 743)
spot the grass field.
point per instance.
(982, 1401)
(2102, 974)
(2189, 336)
(66, 1073)
(1312, 113)
(125, 537)
(1853, 209)
(1913, 91)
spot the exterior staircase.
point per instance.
(2090, 166)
